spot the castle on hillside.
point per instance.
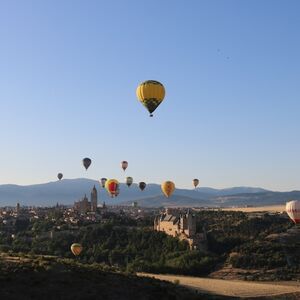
(181, 225)
(84, 205)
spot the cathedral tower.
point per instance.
(94, 199)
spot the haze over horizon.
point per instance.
(69, 72)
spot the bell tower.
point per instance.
(94, 199)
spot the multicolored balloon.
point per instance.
(112, 187)
(124, 165)
(103, 180)
(86, 162)
(76, 249)
(129, 181)
(151, 93)
(142, 185)
(60, 176)
(195, 182)
(168, 188)
(293, 210)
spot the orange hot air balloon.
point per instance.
(168, 188)
(112, 187)
(124, 165)
(76, 249)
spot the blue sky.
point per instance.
(69, 71)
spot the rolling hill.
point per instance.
(67, 191)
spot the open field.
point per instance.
(270, 208)
(232, 288)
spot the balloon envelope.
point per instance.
(124, 165)
(76, 249)
(103, 180)
(112, 187)
(60, 176)
(293, 210)
(129, 181)
(151, 93)
(168, 188)
(86, 162)
(142, 185)
(195, 182)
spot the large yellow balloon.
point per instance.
(151, 93)
(76, 249)
(168, 188)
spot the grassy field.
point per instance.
(270, 208)
(234, 288)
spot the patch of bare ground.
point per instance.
(234, 288)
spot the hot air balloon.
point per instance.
(76, 249)
(86, 162)
(60, 176)
(168, 188)
(103, 180)
(293, 210)
(142, 185)
(129, 181)
(151, 93)
(112, 187)
(124, 165)
(195, 182)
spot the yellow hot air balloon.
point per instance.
(151, 93)
(168, 188)
(76, 249)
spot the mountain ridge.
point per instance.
(67, 191)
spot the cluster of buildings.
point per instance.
(84, 205)
(181, 224)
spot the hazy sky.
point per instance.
(69, 71)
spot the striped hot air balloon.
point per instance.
(76, 249)
(293, 210)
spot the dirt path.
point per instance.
(234, 288)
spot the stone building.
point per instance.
(181, 225)
(84, 205)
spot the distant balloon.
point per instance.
(103, 180)
(60, 176)
(293, 210)
(142, 185)
(86, 162)
(112, 187)
(76, 249)
(129, 181)
(124, 165)
(168, 188)
(195, 182)
(151, 93)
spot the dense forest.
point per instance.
(234, 238)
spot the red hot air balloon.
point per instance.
(112, 187)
